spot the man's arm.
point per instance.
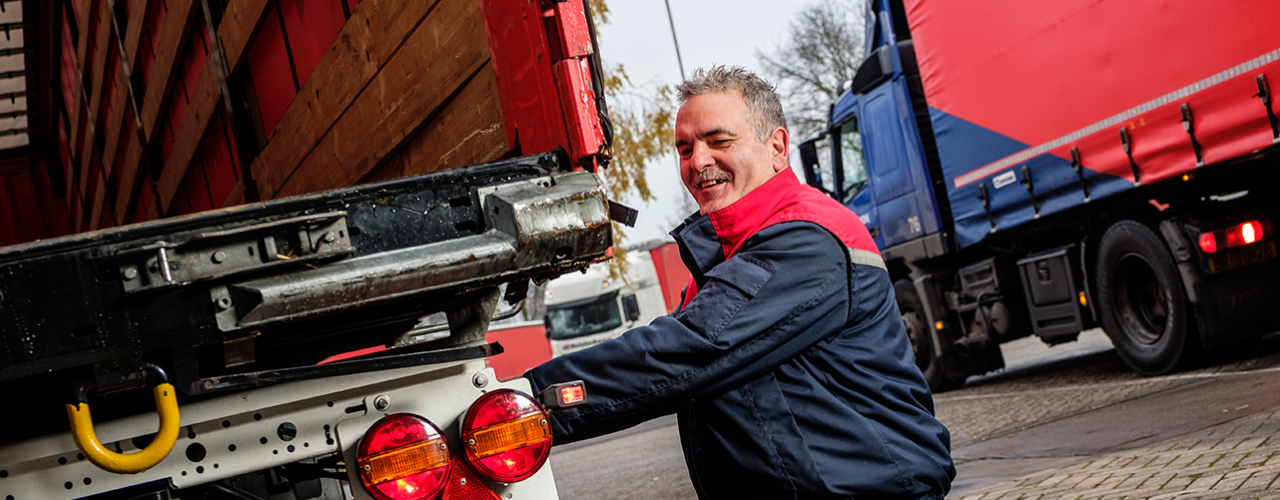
(790, 278)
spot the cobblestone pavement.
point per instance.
(1092, 376)
(1236, 460)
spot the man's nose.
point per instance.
(700, 157)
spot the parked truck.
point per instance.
(585, 309)
(204, 200)
(1041, 168)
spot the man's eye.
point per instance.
(686, 152)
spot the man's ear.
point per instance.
(780, 147)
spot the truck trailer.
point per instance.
(1042, 168)
(589, 308)
(202, 201)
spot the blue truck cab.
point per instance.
(1020, 184)
(875, 139)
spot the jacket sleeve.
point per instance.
(790, 277)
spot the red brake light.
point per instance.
(403, 457)
(1208, 243)
(1244, 234)
(506, 436)
(1250, 232)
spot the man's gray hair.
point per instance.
(763, 104)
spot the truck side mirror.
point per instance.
(809, 161)
(630, 307)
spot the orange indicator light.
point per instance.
(572, 394)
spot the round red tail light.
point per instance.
(1208, 243)
(506, 436)
(403, 457)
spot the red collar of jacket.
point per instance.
(783, 199)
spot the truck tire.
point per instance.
(917, 325)
(1144, 306)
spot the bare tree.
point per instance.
(822, 50)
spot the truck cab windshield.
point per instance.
(584, 317)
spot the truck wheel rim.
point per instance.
(1144, 307)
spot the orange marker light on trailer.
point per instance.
(1083, 300)
(572, 394)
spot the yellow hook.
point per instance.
(87, 441)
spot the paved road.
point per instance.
(1050, 409)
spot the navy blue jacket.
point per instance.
(788, 362)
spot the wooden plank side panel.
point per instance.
(365, 44)
(82, 46)
(133, 32)
(127, 181)
(99, 198)
(119, 106)
(205, 97)
(446, 51)
(468, 131)
(117, 125)
(195, 124)
(169, 49)
(149, 45)
(102, 50)
(99, 49)
(242, 19)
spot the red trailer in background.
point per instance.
(524, 346)
(673, 276)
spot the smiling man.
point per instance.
(787, 362)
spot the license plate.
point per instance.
(1240, 258)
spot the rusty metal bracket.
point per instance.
(235, 251)
(532, 224)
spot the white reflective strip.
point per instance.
(867, 258)
(1177, 95)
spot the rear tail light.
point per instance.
(403, 457)
(1237, 235)
(1244, 234)
(1208, 243)
(506, 436)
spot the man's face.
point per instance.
(720, 159)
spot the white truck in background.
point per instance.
(585, 309)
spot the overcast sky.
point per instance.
(711, 32)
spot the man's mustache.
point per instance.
(712, 174)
